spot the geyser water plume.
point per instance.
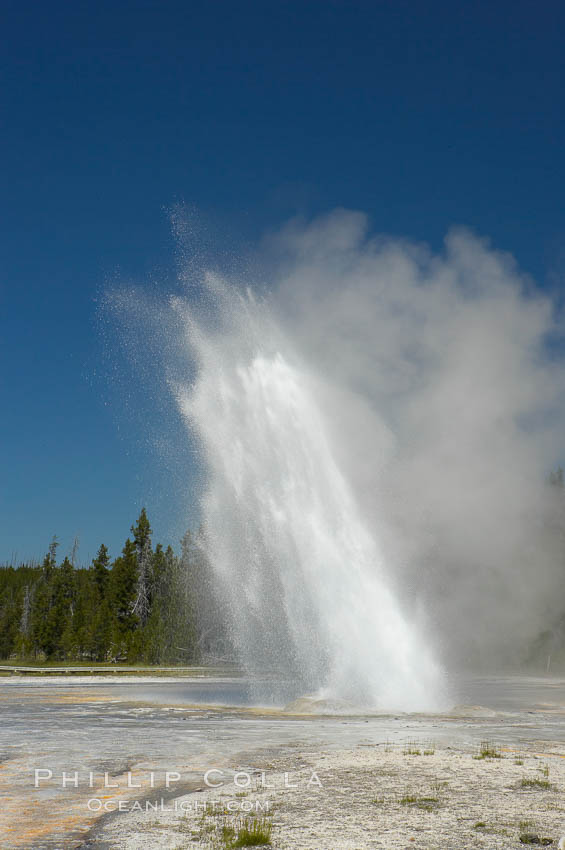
(304, 575)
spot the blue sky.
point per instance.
(423, 115)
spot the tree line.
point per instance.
(147, 606)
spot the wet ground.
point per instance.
(91, 735)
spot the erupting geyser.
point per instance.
(303, 574)
(376, 436)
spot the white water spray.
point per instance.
(304, 576)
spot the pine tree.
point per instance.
(10, 613)
(142, 538)
(86, 605)
(103, 628)
(57, 635)
(23, 643)
(123, 591)
(50, 560)
(141, 532)
(44, 622)
(25, 622)
(100, 566)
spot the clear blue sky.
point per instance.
(421, 114)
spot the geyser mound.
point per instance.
(303, 575)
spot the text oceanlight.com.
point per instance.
(95, 804)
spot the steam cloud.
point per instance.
(448, 413)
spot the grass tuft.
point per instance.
(488, 751)
(427, 804)
(254, 833)
(535, 783)
(227, 834)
